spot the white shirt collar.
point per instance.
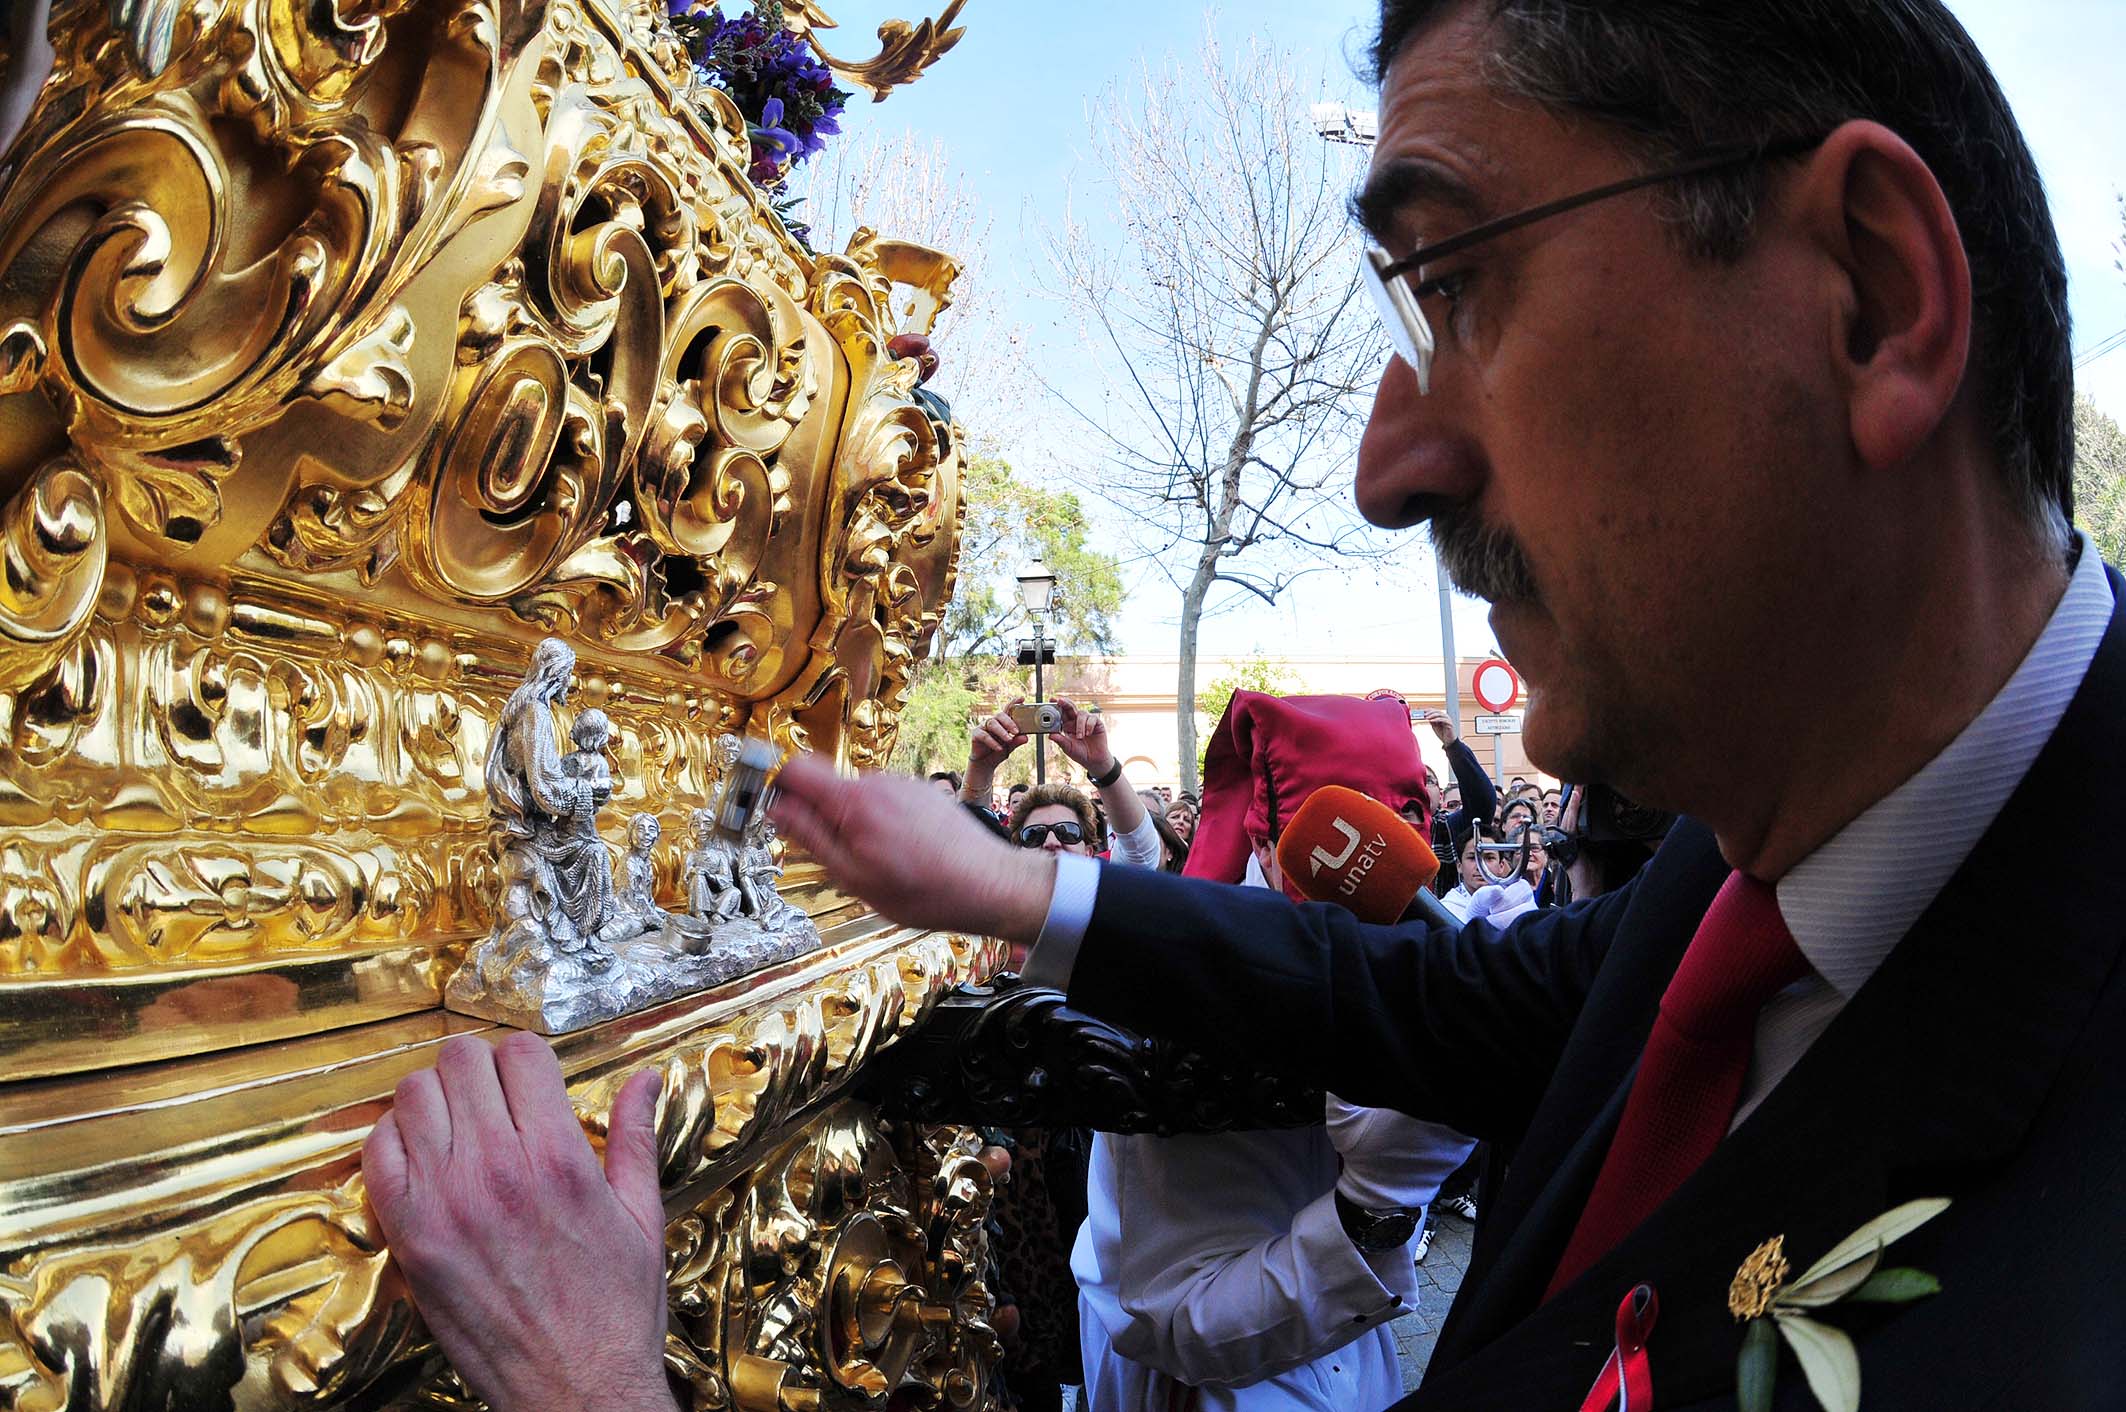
(1851, 901)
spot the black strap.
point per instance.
(1110, 777)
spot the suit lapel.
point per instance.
(1553, 1170)
(1922, 1086)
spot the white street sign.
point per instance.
(1508, 724)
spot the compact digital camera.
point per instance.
(1038, 717)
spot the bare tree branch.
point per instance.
(1226, 333)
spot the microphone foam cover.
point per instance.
(1348, 848)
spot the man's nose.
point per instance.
(1414, 458)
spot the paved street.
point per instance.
(1437, 1280)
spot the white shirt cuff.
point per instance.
(1354, 1287)
(1070, 912)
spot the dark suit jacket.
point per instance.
(1985, 1061)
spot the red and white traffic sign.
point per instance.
(1496, 684)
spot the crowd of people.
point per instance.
(1132, 1207)
(1733, 368)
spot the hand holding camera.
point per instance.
(1081, 734)
(994, 738)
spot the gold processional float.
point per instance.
(349, 351)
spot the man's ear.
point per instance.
(1903, 337)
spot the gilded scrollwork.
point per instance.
(810, 1247)
(51, 566)
(905, 49)
(345, 351)
(847, 1268)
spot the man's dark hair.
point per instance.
(1675, 76)
(951, 777)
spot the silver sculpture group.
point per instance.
(569, 946)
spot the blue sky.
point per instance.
(1010, 104)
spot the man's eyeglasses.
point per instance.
(1067, 832)
(1401, 303)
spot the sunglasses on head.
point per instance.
(1034, 835)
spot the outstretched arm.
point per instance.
(1480, 797)
(1084, 739)
(1463, 1027)
(993, 739)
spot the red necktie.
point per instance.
(1690, 1077)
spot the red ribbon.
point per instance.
(1627, 1380)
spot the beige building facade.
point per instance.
(1137, 695)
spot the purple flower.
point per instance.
(786, 94)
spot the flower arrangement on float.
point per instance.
(785, 93)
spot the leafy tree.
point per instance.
(2100, 479)
(1269, 675)
(1009, 522)
(973, 663)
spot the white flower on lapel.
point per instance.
(1853, 1272)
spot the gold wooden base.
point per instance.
(192, 1231)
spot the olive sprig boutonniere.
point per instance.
(1774, 1308)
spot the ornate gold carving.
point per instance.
(904, 49)
(344, 352)
(847, 1266)
(809, 1251)
(346, 349)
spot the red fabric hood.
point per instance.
(1269, 753)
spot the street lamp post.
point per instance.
(1037, 593)
(1336, 123)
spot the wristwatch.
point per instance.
(1114, 772)
(1374, 1230)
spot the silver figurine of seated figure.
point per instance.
(732, 879)
(569, 947)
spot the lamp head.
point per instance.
(1037, 587)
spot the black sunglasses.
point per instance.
(1034, 835)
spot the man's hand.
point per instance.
(911, 853)
(1441, 726)
(541, 1275)
(1083, 739)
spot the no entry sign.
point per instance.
(1496, 684)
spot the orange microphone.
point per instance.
(1351, 849)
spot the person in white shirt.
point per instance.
(1476, 895)
(1257, 1271)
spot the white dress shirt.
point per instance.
(1851, 901)
(1218, 1264)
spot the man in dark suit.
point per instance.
(1735, 373)
(1766, 476)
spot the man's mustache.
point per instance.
(1482, 559)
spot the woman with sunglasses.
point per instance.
(1057, 817)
